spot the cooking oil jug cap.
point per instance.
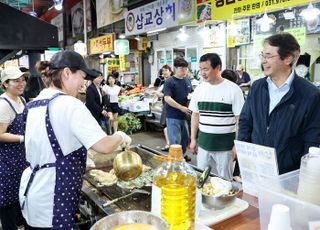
(175, 152)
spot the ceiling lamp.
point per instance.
(183, 36)
(33, 13)
(137, 38)
(80, 47)
(265, 22)
(58, 4)
(310, 13)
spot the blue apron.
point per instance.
(69, 172)
(12, 161)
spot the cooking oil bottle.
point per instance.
(174, 191)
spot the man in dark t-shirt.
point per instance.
(176, 91)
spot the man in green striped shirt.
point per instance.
(216, 105)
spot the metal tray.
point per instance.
(136, 201)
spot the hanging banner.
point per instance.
(241, 35)
(122, 59)
(109, 11)
(203, 10)
(224, 9)
(156, 15)
(101, 44)
(187, 11)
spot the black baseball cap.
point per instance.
(71, 59)
(97, 73)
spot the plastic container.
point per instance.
(284, 191)
(174, 191)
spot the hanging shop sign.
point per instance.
(224, 9)
(122, 59)
(112, 64)
(121, 46)
(153, 16)
(101, 44)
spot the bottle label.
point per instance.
(156, 200)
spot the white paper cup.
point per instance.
(280, 218)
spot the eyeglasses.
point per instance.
(266, 56)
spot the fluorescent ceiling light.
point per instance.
(310, 13)
(155, 31)
(122, 36)
(137, 38)
(58, 4)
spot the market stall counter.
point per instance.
(103, 194)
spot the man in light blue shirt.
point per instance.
(282, 109)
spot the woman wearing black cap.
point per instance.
(59, 131)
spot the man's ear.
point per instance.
(289, 60)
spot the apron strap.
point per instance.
(34, 171)
(52, 136)
(3, 98)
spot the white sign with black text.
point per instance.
(257, 163)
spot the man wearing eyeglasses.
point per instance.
(176, 90)
(282, 110)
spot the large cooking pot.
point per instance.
(136, 218)
(127, 165)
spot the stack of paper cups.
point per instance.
(280, 218)
(309, 186)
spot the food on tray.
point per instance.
(145, 179)
(134, 226)
(217, 187)
(109, 178)
(104, 178)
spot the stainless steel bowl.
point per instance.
(130, 217)
(220, 202)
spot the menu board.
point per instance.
(257, 163)
(281, 23)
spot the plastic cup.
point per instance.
(280, 218)
(308, 188)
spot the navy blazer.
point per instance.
(93, 102)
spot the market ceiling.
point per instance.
(46, 11)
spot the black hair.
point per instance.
(111, 75)
(115, 74)
(213, 58)
(180, 62)
(230, 75)
(287, 44)
(52, 75)
(168, 68)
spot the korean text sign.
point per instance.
(156, 15)
(224, 9)
(101, 44)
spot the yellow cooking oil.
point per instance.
(177, 182)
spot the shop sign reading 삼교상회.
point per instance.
(153, 16)
(224, 9)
